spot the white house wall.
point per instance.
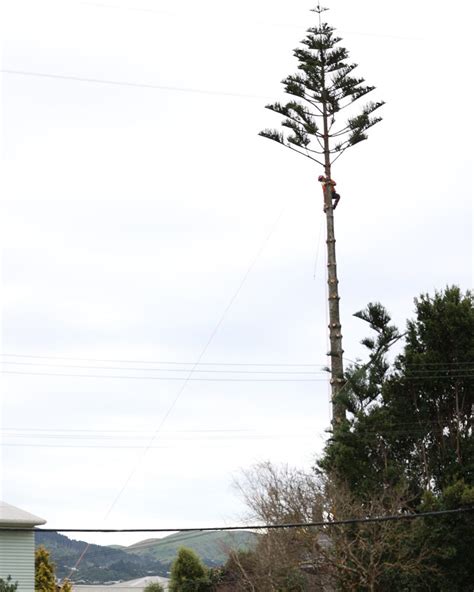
(17, 552)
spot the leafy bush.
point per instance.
(7, 585)
(154, 587)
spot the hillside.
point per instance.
(148, 557)
(212, 547)
(100, 564)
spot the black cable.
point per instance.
(323, 523)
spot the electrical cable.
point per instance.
(318, 248)
(188, 378)
(115, 361)
(250, 364)
(201, 355)
(265, 23)
(163, 378)
(318, 524)
(411, 377)
(73, 78)
(23, 429)
(122, 369)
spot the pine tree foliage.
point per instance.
(324, 87)
(45, 579)
(419, 408)
(8, 585)
(188, 574)
(66, 586)
(411, 426)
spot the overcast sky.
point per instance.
(143, 224)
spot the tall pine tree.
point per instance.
(322, 90)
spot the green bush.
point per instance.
(154, 587)
(7, 585)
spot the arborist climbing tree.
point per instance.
(332, 188)
(323, 88)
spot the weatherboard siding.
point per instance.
(17, 559)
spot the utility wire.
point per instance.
(424, 431)
(42, 357)
(61, 430)
(188, 378)
(416, 372)
(259, 22)
(200, 357)
(318, 247)
(164, 378)
(82, 431)
(213, 438)
(206, 371)
(174, 378)
(14, 72)
(174, 362)
(320, 524)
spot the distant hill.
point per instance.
(212, 547)
(100, 564)
(148, 557)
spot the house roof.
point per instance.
(12, 516)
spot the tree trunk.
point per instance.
(335, 335)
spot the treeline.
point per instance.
(100, 564)
(405, 446)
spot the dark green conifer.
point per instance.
(316, 126)
(188, 574)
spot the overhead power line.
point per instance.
(421, 372)
(164, 378)
(127, 83)
(156, 362)
(127, 431)
(190, 379)
(205, 371)
(231, 16)
(319, 524)
(219, 364)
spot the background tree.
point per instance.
(405, 446)
(45, 580)
(66, 586)
(411, 422)
(432, 389)
(379, 556)
(280, 495)
(45, 576)
(188, 574)
(8, 585)
(360, 557)
(410, 425)
(323, 88)
(154, 587)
